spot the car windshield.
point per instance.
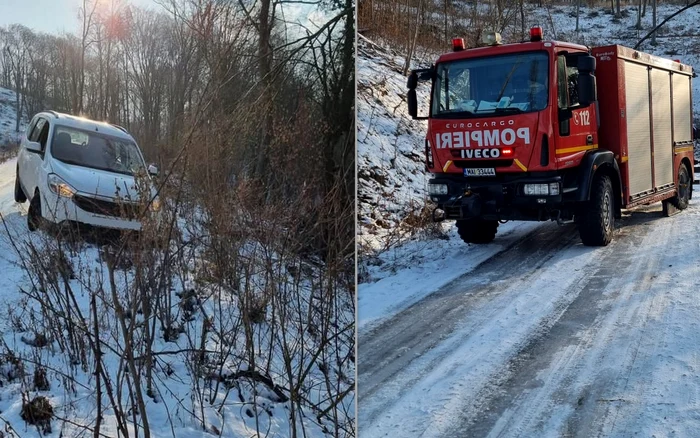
(96, 150)
(491, 85)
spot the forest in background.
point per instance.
(422, 25)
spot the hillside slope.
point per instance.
(8, 114)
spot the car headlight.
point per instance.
(59, 186)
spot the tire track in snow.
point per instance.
(661, 391)
(569, 381)
(440, 311)
(512, 298)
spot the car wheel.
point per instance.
(19, 194)
(34, 218)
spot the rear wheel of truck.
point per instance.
(596, 221)
(680, 201)
(477, 230)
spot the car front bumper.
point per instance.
(58, 209)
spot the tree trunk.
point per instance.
(653, 20)
(578, 11)
(412, 44)
(264, 70)
(446, 36)
(639, 15)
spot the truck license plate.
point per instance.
(481, 171)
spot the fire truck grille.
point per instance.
(482, 163)
(98, 206)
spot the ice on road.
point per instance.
(548, 338)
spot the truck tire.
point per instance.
(34, 219)
(596, 221)
(680, 201)
(19, 194)
(477, 230)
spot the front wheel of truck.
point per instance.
(596, 221)
(477, 230)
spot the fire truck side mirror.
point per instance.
(587, 93)
(412, 82)
(412, 103)
(416, 76)
(586, 64)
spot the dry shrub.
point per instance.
(41, 382)
(38, 412)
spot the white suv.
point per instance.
(78, 170)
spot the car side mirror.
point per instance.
(33, 146)
(152, 170)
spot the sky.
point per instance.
(50, 16)
(61, 16)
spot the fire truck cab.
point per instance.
(548, 130)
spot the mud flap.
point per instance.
(669, 209)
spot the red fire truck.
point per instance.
(549, 130)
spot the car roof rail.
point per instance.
(121, 128)
(54, 113)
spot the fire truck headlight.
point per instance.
(437, 189)
(551, 189)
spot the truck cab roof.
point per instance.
(503, 49)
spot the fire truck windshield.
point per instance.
(488, 86)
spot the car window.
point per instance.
(43, 134)
(31, 127)
(96, 150)
(40, 133)
(34, 136)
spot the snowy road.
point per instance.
(548, 338)
(7, 187)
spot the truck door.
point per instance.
(577, 126)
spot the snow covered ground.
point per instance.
(533, 335)
(547, 338)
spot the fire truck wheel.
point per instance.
(680, 201)
(597, 220)
(477, 230)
